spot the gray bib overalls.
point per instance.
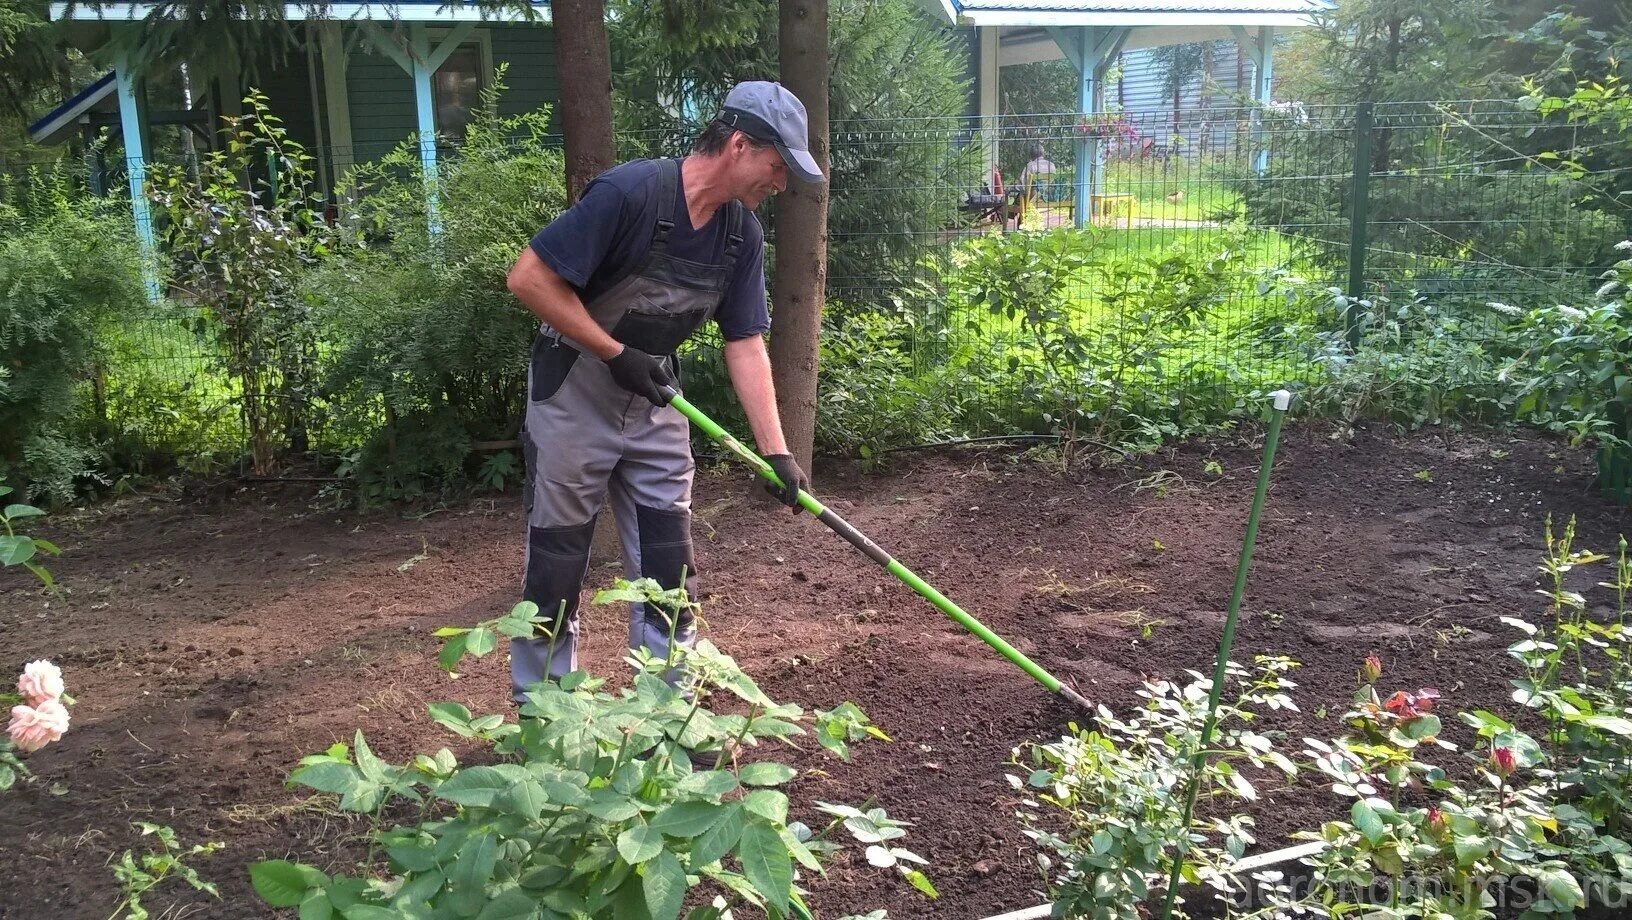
(585, 438)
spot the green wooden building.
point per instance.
(363, 78)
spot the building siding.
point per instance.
(1200, 122)
(530, 52)
(288, 89)
(383, 113)
(381, 96)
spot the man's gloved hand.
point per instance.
(642, 374)
(793, 479)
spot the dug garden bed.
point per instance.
(211, 645)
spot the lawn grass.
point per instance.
(1181, 192)
(1238, 337)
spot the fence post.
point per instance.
(1359, 218)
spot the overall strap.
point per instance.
(733, 234)
(668, 189)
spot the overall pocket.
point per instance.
(552, 360)
(657, 331)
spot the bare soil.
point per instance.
(213, 643)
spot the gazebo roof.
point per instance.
(1215, 15)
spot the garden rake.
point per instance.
(876, 553)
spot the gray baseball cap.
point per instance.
(768, 112)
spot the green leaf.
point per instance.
(713, 783)
(281, 883)
(452, 716)
(639, 843)
(370, 912)
(1486, 723)
(767, 863)
(41, 573)
(688, 819)
(664, 883)
(474, 786)
(316, 906)
(1470, 849)
(18, 512)
(1613, 724)
(16, 550)
(479, 641)
(452, 651)
(766, 774)
(1367, 822)
(767, 803)
(511, 905)
(373, 769)
(1423, 727)
(921, 882)
(1562, 888)
(475, 862)
(721, 838)
(609, 806)
(327, 776)
(525, 799)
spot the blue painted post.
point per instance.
(1263, 84)
(1087, 146)
(421, 60)
(133, 128)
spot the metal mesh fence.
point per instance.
(1440, 199)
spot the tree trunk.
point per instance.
(584, 66)
(1383, 140)
(801, 232)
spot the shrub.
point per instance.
(1109, 807)
(238, 249)
(599, 805)
(1575, 374)
(68, 271)
(1422, 361)
(429, 345)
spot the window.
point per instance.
(457, 91)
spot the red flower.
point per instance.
(1412, 704)
(1503, 762)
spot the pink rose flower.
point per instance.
(41, 681)
(34, 727)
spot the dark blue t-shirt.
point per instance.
(599, 240)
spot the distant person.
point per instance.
(1035, 181)
(1040, 170)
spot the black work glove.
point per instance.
(793, 479)
(642, 374)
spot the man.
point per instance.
(1035, 180)
(652, 250)
(1039, 171)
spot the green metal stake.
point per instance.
(874, 552)
(1282, 402)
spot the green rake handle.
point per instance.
(876, 553)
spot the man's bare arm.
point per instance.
(553, 300)
(750, 368)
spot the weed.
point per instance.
(139, 877)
